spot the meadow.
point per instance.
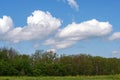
(107, 77)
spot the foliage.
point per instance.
(43, 63)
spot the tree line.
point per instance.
(43, 63)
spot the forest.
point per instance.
(44, 63)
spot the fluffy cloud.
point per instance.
(73, 4)
(6, 24)
(115, 36)
(75, 32)
(39, 25)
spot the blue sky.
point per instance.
(67, 26)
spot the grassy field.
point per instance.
(110, 77)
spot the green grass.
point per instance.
(109, 77)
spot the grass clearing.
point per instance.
(107, 77)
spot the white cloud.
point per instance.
(52, 50)
(6, 24)
(39, 25)
(73, 4)
(59, 43)
(91, 28)
(75, 32)
(115, 36)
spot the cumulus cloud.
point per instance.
(73, 4)
(6, 24)
(39, 25)
(115, 36)
(75, 32)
